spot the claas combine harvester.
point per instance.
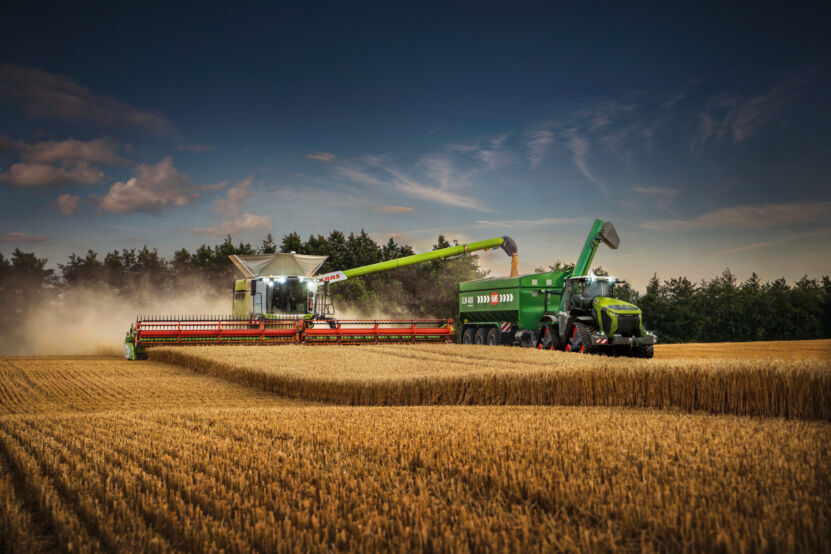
(572, 310)
(281, 299)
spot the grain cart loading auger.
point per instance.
(573, 310)
(282, 300)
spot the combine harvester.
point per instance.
(573, 310)
(282, 300)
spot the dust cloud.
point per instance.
(94, 321)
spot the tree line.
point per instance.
(677, 309)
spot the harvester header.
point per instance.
(282, 300)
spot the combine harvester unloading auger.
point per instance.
(282, 300)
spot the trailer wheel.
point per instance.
(494, 337)
(469, 336)
(481, 336)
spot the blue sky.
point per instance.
(701, 132)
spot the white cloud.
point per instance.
(68, 204)
(393, 210)
(765, 216)
(44, 94)
(98, 151)
(234, 221)
(154, 188)
(31, 175)
(20, 238)
(325, 157)
(56, 163)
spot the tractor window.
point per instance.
(584, 291)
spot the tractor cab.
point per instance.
(580, 292)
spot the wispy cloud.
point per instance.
(492, 152)
(546, 221)
(234, 220)
(765, 216)
(393, 210)
(579, 148)
(325, 157)
(379, 172)
(768, 244)
(18, 237)
(196, 148)
(663, 196)
(538, 143)
(45, 94)
(154, 188)
(738, 116)
(68, 204)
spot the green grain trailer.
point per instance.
(556, 310)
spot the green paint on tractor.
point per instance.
(564, 310)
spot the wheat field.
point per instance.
(465, 374)
(100, 454)
(427, 478)
(781, 350)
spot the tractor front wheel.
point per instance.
(469, 335)
(549, 338)
(580, 339)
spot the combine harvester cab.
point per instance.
(572, 311)
(282, 300)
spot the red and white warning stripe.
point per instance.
(601, 341)
(505, 326)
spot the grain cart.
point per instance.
(282, 300)
(556, 310)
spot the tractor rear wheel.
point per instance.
(469, 335)
(481, 336)
(494, 337)
(580, 339)
(643, 351)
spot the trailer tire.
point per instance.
(494, 337)
(481, 336)
(643, 351)
(469, 335)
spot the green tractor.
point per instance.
(593, 320)
(556, 310)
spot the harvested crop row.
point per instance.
(457, 374)
(760, 350)
(36, 385)
(429, 478)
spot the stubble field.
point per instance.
(101, 454)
